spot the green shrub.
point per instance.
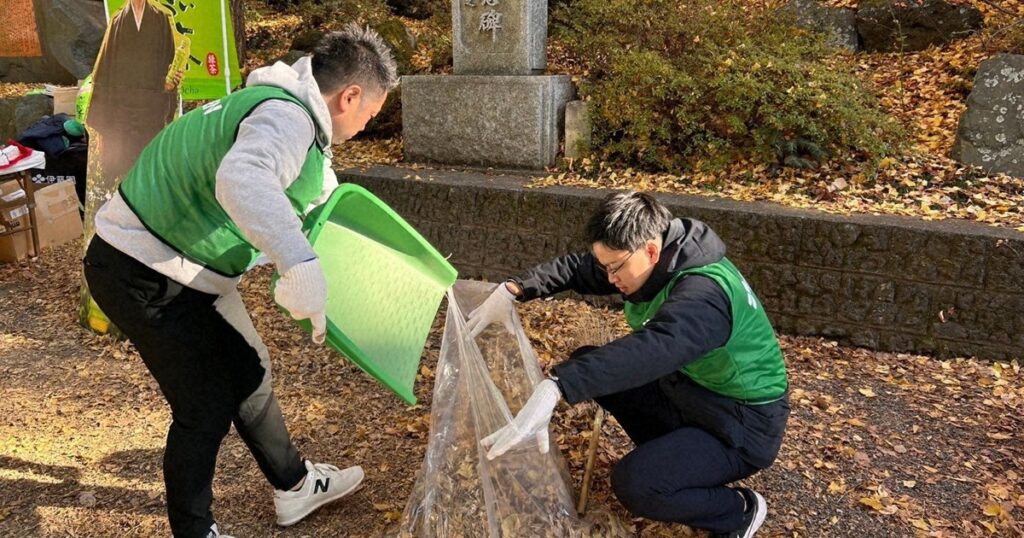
(701, 83)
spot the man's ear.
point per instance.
(653, 251)
(350, 97)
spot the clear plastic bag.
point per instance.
(479, 384)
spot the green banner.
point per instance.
(209, 54)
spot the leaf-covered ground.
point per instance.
(879, 444)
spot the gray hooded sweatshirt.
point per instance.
(267, 155)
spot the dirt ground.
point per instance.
(879, 444)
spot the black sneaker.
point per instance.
(753, 516)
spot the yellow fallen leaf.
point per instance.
(993, 509)
(919, 524)
(867, 392)
(1000, 491)
(873, 502)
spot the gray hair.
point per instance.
(354, 55)
(626, 220)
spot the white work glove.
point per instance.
(532, 420)
(302, 291)
(498, 307)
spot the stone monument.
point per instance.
(497, 109)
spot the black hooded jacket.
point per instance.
(694, 319)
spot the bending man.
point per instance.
(699, 386)
(211, 192)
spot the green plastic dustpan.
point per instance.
(385, 283)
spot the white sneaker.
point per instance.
(324, 483)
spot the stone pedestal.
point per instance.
(494, 121)
(578, 129)
(497, 110)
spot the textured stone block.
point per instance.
(578, 130)
(499, 37)
(1005, 265)
(502, 122)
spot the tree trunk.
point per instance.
(238, 22)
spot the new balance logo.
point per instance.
(321, 485)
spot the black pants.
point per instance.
(212, 369)
(691, 442)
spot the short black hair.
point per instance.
(626, 220)
(355, 55)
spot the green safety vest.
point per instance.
(172, 186)
(749, 367)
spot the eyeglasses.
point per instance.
(611, 272)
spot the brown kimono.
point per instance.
(129, 103)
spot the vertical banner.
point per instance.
(211, 66)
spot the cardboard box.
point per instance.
(64, 100)
(57, 214)
(16, 246)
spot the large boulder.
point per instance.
(991, 131)
(909, 25)
(388, 121)
(403, 43)
(289, 57)
(40, 69)
(30, 109)
(18, 112)
(413, 9)
(307, 40)
(72, 31)
(401, 40)
(7, 128)
(839, 25)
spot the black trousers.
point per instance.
(690, 443)
(213, 370)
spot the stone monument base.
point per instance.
(480, 120)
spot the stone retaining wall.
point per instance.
(877, 282)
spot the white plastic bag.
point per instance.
(479, 384)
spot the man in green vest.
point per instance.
(213, 191)
(699, 385)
